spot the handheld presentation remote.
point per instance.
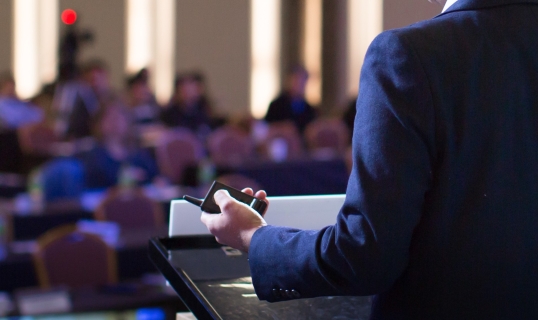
(208, 203)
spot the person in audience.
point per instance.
(44, 100)
(95, 73)
(116, 156)
(14, 112)
(189, 106)
(77, 101)
(140, 100)
(291, 104)
(61, 179)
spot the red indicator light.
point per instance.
(69, 16)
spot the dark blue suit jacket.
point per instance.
(441, 213)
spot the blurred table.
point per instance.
(125, 297)
(28, 223)
(18, 268)
(124, 300)
(29, 227)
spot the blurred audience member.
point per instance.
(95, 73)
(189, 106)
(77, 101)
(117, 156)
(14, 112)
(349, 114)
(291, 103)
(62, 179)
(44, 100)
(141, 100)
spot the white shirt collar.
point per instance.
(448, 4)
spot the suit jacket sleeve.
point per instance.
(367, 248)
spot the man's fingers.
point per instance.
(209, 219)
(218, 240)
(225, 201)
(261, 194)
(206, 218)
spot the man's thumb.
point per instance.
(221, 197)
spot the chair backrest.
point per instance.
(177, 150)
(69, 257)
(282, 142)
(327, 137)
(36, 139)
(229, 146)
(129, 208)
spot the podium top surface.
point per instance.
(217, 285)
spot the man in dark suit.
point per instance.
(440, 219)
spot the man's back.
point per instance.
(474, 251)
(440, 215)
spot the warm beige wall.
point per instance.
(5, 35)
(106, 19)
(213, 37)
(400, 13)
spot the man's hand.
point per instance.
(237, 222)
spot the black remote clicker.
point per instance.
(208, 203)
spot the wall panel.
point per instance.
(106, 20)
(6, 26)
(213, 37)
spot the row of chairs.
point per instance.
(229, 146)
(323, 133)
(177, 149)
